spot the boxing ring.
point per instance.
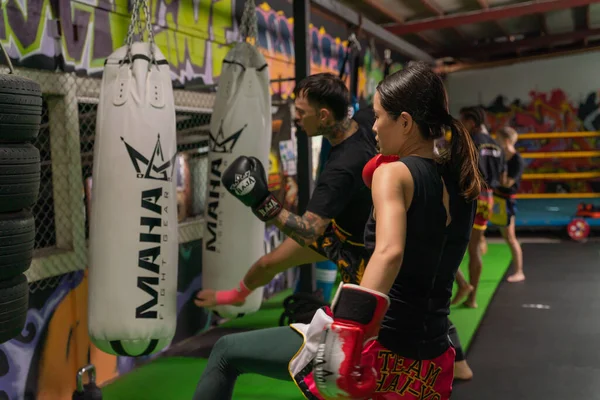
(557, 205)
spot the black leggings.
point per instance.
(265, 352)
(453, 333)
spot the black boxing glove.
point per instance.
(246, 179)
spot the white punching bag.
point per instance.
(233, 237)
(133, 229)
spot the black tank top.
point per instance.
(416, 324)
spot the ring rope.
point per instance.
(562, 175)
(562, 154)
(558, 196)
(559, 154)
(558, 135)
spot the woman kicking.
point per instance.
(419, 204)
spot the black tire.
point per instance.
(19, 176)
(14, 303)
(17, 238)
(20, 109)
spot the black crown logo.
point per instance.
(153, 170)
(221, 145)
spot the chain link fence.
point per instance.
(66, 145)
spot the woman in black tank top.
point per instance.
(423, 210)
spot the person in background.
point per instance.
(507, 138)
(491, 166)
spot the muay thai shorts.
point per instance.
(485, 203)
(398, 378)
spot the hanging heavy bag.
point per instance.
(133, 230)
(240, 125)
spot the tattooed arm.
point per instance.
(305, 229)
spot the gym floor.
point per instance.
(531, 340)
(539, 340)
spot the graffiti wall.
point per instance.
(194, 35)
(554, 95)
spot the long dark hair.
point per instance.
(419, 91)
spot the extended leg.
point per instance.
(510, 236)
(475, 265)
(265, 352)
(464, 288)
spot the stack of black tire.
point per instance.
(20, 117)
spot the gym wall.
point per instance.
(67, 62)
(559, 94)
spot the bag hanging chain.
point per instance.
(249, 23)
(136, 22)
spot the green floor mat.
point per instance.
(495, 264)
(176, 378)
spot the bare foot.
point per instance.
(462, 371)
(461, 293)
(470, 304)
(518, 277)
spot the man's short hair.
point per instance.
(325, 90)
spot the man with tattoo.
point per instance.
(332, 226)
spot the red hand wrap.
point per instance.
(233, 296)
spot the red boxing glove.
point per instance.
(373, 164)
(357, 316)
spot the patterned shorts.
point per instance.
(350, 257)
(398, 378)
(485, 203)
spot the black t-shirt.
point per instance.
(340, 193)
(514, 170)
(416, 324)
(365, 117)
(491, 159)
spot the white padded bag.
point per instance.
(233, 237)
(133, 225)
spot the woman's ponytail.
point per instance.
(465, 160)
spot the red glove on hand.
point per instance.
(357, 316)
(373, 164)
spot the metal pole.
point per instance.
(354, 64)
(302, 53)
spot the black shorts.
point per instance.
(350, 257)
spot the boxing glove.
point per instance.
(357, 316)
(246, 179)
(373, 164)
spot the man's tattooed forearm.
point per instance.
(303, 230)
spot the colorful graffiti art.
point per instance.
(194, 36)
(552, 112)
